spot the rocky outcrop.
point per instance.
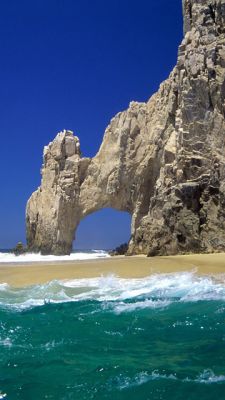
(120, 250)
(162, 161)
(19, 249)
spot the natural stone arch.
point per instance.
(73, 187)
(162, 161)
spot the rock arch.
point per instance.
(73, 187)
(162, 161)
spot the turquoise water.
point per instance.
(157, 338)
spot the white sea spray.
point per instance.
(118, 294)
(37, 257)
(206, 377)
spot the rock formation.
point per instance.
(162, 161)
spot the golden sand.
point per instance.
(19, 275)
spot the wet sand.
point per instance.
(19, 275)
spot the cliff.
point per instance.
(162, 161)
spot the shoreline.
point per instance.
(27, 274)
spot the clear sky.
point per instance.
(74, 64)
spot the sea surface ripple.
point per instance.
(160, 337)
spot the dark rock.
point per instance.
(120, 250)
(19, 249)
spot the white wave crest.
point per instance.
(117, 294)
(206, 377)
(37, 257)
(185, 286)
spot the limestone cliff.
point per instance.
(162, 161)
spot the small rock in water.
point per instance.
(120, 250)
(19, 249)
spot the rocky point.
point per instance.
(162, 161)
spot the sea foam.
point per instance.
(141, 378)
(118, 294)
(37, 257)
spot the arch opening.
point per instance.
(104, 229)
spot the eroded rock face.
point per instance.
(162, 161)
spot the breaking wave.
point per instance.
(206, 377)
(118, 294)
(37, 257)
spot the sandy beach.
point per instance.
(19, 275)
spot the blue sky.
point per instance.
(74, 64)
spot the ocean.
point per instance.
(6, 256)
(156, 338)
